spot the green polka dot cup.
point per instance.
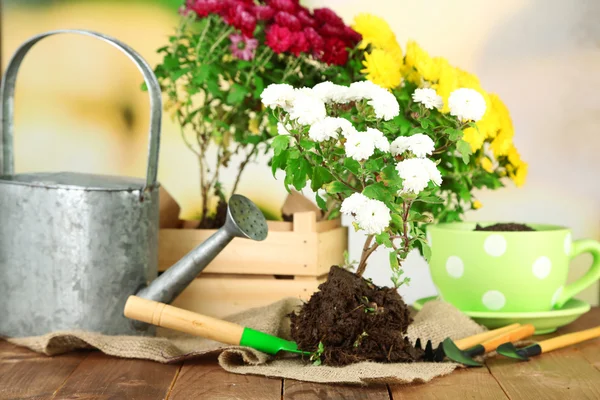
(507, 271)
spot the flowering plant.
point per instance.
(430, 92)
(223, 54)
(348, 142)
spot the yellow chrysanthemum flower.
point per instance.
(487, 164)
(253, 126)
(477, 205)
(375, 31)
(382, 69)
(447, 83)
(520, 176)
(514, 158)
(420, 60)
(501, 143)
(474, 138)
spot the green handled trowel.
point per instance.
(166, 316)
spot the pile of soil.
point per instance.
(355, 321)
(505, 227)
(217, 220)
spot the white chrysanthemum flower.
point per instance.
(363, 90)
(420, 145)
(330, 92)
(347, 128)
(466, 104)
(373, 217)
(352, 204)
(359, 145)
(385, 105)
(428, 97)
(278, 95)
(307, 108)
(414, 173)
(379, 139)
(328, 128)
(435, 175)
(282, 129)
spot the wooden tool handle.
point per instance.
(569, 339)
(471, 341)
(515, 335)
(160, 314)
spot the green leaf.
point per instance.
(384, 239)
(214, 89)
(201, 74)
(425, 249)
(394, 260)
(307, 144)
(280, 143)
(465, 150)
(391, 177)
(178, 73)
(338, 187)
(279, 161)
(299, 169)
(430, 199)
(374, 165)
(321, 176)
(454, 134)
(320, 202)
(236, 94)
(352, 165)
(379, 191)
(259, 86)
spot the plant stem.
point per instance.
(367, 250)
(242, 167)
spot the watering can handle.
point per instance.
(7, 95)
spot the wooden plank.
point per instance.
(305, 222)
(297, 390)
(561, 374)
(26, 374)
(282, 253)
(473, 383)
(331, 249)
(222, 296)
(205, 379)
(104, 377)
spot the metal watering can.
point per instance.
(74, 246)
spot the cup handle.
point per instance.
(591, 276)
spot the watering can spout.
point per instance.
(244, 220)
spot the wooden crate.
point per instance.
(292, 262)
(304, 247)
(220, 295)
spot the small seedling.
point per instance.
(349, 265)
(359, 339)
(316, 356)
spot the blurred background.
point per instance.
(79, 105)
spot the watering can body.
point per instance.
(74, 247)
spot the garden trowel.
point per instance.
(166, 316)
(509, 349)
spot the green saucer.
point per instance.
(544, 321)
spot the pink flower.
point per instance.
(327, 16)
(242, 47)
(300, 43)
(283, 5)
(286, 19)
(204, 7)
(317, 44)
(278, 38)
(263, 13)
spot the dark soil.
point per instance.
(356, 321)
(505, 227)
(217, 220)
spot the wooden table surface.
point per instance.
(571, 373)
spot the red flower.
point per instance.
(335, 51)
(332, 31)
(279, 38)
(327, 16)
(300, 43)
(305, 18)
(317, 44)
(352, 37)
(204, 7)
(263, 13)
(286, 19)
(240, 17)
(283, 5)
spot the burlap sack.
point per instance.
(436, 321)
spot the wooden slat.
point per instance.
(205, 379)
(474, 383)
(222, 296)
(297, 390)
(104, 377)
(26, 374)
(331, 248)
(561, 374)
